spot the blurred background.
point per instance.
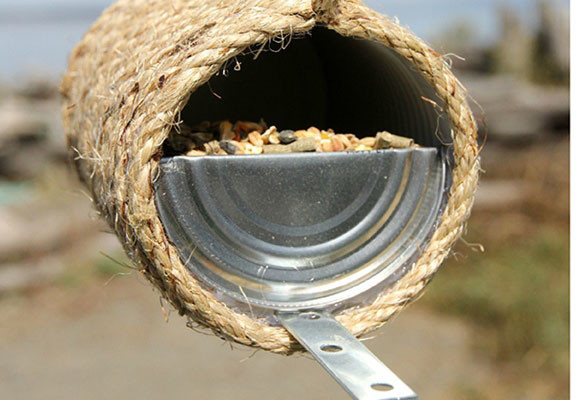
(77, 322)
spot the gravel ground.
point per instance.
(109, 340)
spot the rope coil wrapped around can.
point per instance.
(133, 74)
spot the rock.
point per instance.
(515, 110)
(67, 219)
(31, 137)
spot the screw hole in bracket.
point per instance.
(331, 348)
(310, 315)
(382, 387)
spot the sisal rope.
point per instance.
(132, 74)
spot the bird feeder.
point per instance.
(277, 251)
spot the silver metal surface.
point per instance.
(350, 363)
(301, 231)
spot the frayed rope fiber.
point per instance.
(132, 74)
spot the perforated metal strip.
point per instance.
(350, 363)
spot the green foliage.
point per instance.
(102, 267)
(519, 294)
(70, 279)
(107, 266)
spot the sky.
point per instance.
(37, 35)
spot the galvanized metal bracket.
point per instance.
(346, 359)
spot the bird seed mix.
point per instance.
(242, 137)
